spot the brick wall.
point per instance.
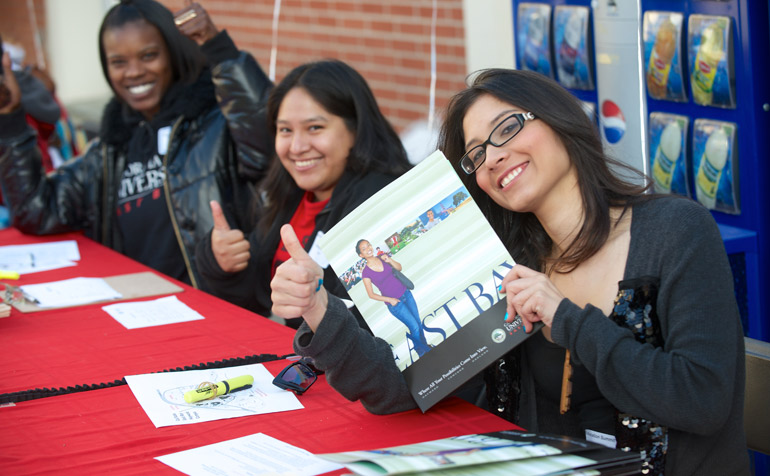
(388, 42)
(16, 27)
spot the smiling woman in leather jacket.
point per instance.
(186, 126)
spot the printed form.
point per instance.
(251, 455)
(161, 395)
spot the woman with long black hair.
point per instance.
(334, 150)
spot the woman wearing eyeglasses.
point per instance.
(399, 300)
(635, 292)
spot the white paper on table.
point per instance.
(71, 292)
(36, 257)
(158, 312)
(161, 395)
(257, 454)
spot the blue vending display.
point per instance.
(702, 64)
(718, 81)
(570, 55)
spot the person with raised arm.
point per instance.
(185, 126)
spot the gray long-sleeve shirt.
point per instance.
(694, 384)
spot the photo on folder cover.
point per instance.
(427, 224)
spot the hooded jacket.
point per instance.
(218, 145)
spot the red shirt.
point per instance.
(303, 222)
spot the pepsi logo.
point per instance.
(613, 122)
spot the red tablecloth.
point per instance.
(84, 345)
(106, 431)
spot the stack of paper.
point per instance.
(159, 312)
(70, 292)
(25, 259)
(505, 453)
(257, 454)
(5, 310)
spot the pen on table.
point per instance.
(16, 291)
(208, 390)
(28, 297)
(9, 274)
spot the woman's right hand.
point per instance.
(230, 247)
(391, 300)
(298, 284)
(10, 94)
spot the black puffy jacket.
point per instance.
(216, 149)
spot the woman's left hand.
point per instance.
(531, 295)
(195, 23)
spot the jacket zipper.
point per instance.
(167, 191)
(105, 190)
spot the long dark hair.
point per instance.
(600, 188)
(185, 56)
(341, 91)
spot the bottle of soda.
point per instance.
(710, 53)
(660, 59)
(568, 50)
(710, 170)
(666, 156)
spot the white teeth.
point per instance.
(305, 163)
(141, 89)
(509, 178)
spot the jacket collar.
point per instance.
(187, 100)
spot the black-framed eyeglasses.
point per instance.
(503, 132)
(297, 377)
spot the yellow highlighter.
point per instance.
(208, 390)
(9, 275)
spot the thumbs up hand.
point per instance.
(230, 247)
(297, 284)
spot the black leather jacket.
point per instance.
(213, 154)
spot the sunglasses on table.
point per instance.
(297, 376)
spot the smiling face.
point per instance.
(532, 172)
(312, 144)
(430, 215)
(365, 249)
(138, 65)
